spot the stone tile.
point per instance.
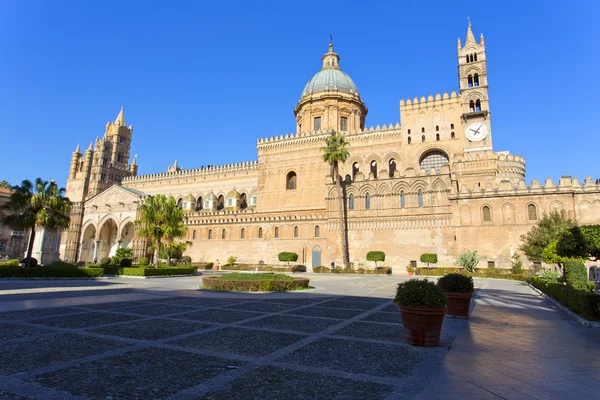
(37, 313)
(10, 396)
(147, 373)
(295, 302)
(376, 300)
(358, 357)
(249, 342)
(66, 294)
(326, 312)
(294, 323)
(392, 318)
(204, 302)
(223, 316)
(391, 308)
(12, 331)
(114, 306)
(369, 330)
(352, 305)
(86, 320)
(151, 329)
(157, 309)
(279, 383)
(38, 352)
(262, 307)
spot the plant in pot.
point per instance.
(458, 289)
(411, 270)
(423, 305)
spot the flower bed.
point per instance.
(376, 271)
(50, 272)
(479, 273)
(582, 302)
(239, 282)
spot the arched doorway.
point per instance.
(88, 244)
(127, 236)
(316, 256)
(107, 239)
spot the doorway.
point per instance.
(316, 256)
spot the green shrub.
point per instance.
(420, 293)
(321, 270)
(158, 271)
(429, 258)
(581, 302)
(10, 263)
(33, 264)
(468, 260)
(576, 275)
(126, 263)
(376, 256)
(457, 283)
(287, 256)
(376, 271)
(111, 269)
(62, 264)
(144, 261)
(236, 276)
(186, 259)
(121, 254)
(516, 264)
(231, 260)
(480, 273)
(207, 265)
(238, 282)
(50, 272)
(105, 261)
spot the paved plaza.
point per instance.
(164, 339)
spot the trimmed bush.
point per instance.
(126, 263)
(436, 271)
(420, 293)
(238, 282)
(321, 270)
(581, 302)
(376, 271)
(456, 283)
(62, 264)
(10, 263)
(34, 262)
(207, 265)
(429, 258)
(144, 261)
(50, 272)
(104, 261)
(576, 275)
(186, 259)
(263, 268)
(479, 273)
(376, 256)
(287, 256)
(110, 270)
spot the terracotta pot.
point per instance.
(458, 304)
(422, 325)
(411, 273)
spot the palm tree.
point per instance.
(160, 220)
(334, 153)
(41, 205)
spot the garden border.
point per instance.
(580, 320)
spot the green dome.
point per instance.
(330, 79)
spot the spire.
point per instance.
(89, 148)
(331, 60)
(470, 37)
(78, 149)
(134, 162)
(120, 121)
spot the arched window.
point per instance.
(243, 201)
(210, 234)
(422, 129)
(199, 203)
(423, 138)
(351, 202)
(276, 232)
(367, 202)
(452, 135)
(437, 137)
(402, 199)
(355, 170)
(194, 235)
(434, 159)
(477, 105)
(392, 166)
(531, 212)
(242, 233)
(317, 231)
(295, 231)
(317, 124)
(409, 140)
(409, 131)
(223, 234)
(471, 58)
(471, 106)
(220, 202)
(290, 181)
(179, 203)
(451, 126)
(487, 214)
(437, 128)
(260, 233)
(420, 198)
(374, 168)
(475, 56)
(470, 81)
(467, 59)
(476, 80)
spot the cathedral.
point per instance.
(430, 184)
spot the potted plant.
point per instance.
(411, 270)
(458, 289)
(423, 306)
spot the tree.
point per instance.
(122, 254)
(5, 185)
(429, 258)
(549, 228)
(580, 242)
(160, 220)
(42, 205)
(173, 250)
(516, 265)
(334, 153)
(287, 256)
(468, 260)
(376, 256)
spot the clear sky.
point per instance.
(201, 81)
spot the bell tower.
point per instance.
(473, 82)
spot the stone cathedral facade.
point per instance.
(430, 184)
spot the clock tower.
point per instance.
(472, 75)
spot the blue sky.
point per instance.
(201, 81)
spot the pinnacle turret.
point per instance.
(331, 60)
(470, 37)
(78, 149)
(120, 121)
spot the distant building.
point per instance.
(431, 184)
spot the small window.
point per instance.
(344, 124)
(260, 233)
(423, 130)
(317, 126)
(355, 169)
(290, 181)
(476, 80)
(223, 234)
(253, 200)
(351, 202)
(392, 167)
(374, 168)
(420, 198)
(210, 234)
(413, 263)
(276, 232)
(2, 246)
(242, 233)
(471, 106)
(409, 131)
(206, 204)
(475, 57)
(194, 235)
(437, 128)
(437, 137)
(452, 135)
(229, 202)
(367, 201)
(317, 231)
(470, 81)
(451, 126)
(531, 212)
(409, 140)
(467, 58)
(487, 214)
(295, 231)
(423, 138)
(478, 105)
(402, 199)
(491, 264)
(300, 128)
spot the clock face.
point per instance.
(476, 131)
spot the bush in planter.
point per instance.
(429, 258)
(576, 275)
(144, 261)
(456, 283)
(288, 256)
(458, 289)
(376, 256)
(419, 293)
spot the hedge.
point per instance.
(576, 275)
(164, 271)
(376, 271)
(263, 268)
(479, 273)
(10, 263)
(62, 264)
(254, 285)
(50, 272)
(205, 265)
(582, 302)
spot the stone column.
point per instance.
(97, 243)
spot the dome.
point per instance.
(211, 197)
(189, 198)
(330, 79)
(233, 193)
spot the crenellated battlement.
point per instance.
(211, 170)
(430, 101)
(500, 156)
